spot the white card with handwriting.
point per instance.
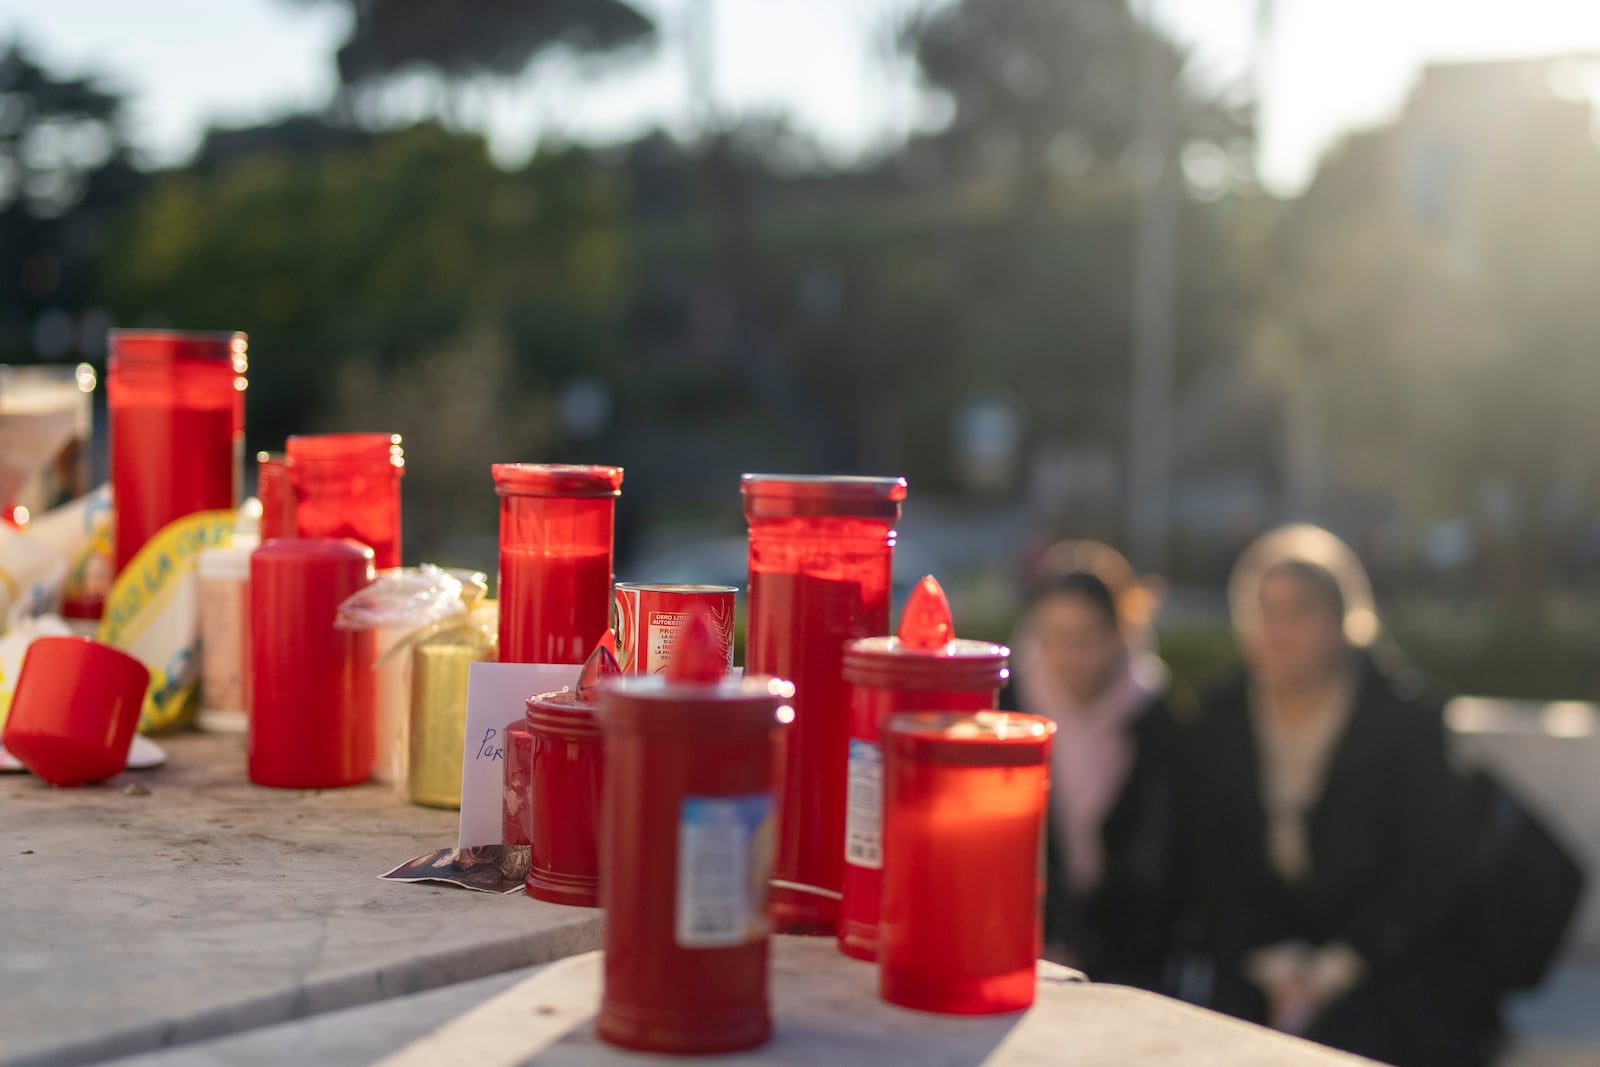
(496, 697)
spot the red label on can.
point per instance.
(648, 617)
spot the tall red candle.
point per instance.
(348, 485)
(821, 552)
(555, 559)
(312, 715)
(963, 826)
(925, 667)
(176, 404)
(687, 830)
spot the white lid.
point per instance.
(226, 562)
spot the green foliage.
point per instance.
(65, 180)
(470, 38)
(379, 253)
(1432, 296)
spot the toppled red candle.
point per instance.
(601, 664)
(697, 654)
(925, 625)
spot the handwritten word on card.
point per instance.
(496, 697)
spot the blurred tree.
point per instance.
(380, 253)
(1431, 309)
(471, 38)
(1039, 89)
(65, 177)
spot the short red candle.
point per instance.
(564, 790)
(687, 829)
(176, 404)
(312, 714)
(821, 552)
(963, 824)
(555, 559)
(348, 485)
(887, 675)
(276, 493)
(564, 858)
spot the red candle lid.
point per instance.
(165, 346)
(970, 739)
(577, 706)
(778, 496)
(330, 449)
(925, 653)
(556, 479)
(695, 696)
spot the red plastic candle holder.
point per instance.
(687, 831)
(555, 559)
(821, 553)
(964, 803)
(176, 405)
(564, 857)
(312, 713)
(886, 675)
(348, 485)
(75, 708)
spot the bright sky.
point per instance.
(1331, 66)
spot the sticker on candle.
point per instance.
(153, 613)
(496, 695)
(725, 851)
(863, 835)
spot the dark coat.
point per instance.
(1389, 847)
(1120, 932)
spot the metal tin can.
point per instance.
(648, 614)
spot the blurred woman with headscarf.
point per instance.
(1325, 843)
(1082, 659)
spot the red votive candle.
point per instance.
(687, 830)
(555, 559)
(312, 715)
(348, 485)
(564, 837)
(924, 668)
(275, 490)
(821, 552)
(176, 403)
(963, 823)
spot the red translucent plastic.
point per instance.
(925, 624)
(555, 559)
(74, 710)
(516, 795)
(176, 405)
(665, 742)
(348, 485)
(276, 492)
(964, 800)
(817, 579)
(564, 823)
(933, 683)
(313, 716)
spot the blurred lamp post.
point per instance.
(1154, 301)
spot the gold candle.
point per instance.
(439, 705)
